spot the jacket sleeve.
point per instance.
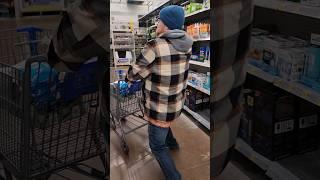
(78, 38)
(141, 68)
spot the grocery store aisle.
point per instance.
(193, 159)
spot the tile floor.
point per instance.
(192, 159)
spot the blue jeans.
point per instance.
(159, 140)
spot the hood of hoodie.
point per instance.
(179, 39)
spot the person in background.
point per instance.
(231, 37)
(163, 66)
(82, 34)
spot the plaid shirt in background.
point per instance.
(81, 35)
(165, 72)
(231, 32)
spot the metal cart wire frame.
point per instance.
(38, 141)
(19, 44)
(126, 113)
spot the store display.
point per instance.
(199, 80)
(199, 30)
(287, 57)
(123, 57)
(290, 63)
(193, 7)
(273, 125)
(123, 45)
(203, 55)
(292, 68)
(196, 100)
(277, 124)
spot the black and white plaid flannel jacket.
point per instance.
(81, 35)
(231, 33)
(164, 71)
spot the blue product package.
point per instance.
(84, 81)
(312, 64)
(125, 89)
(44, 81)
(202, 55)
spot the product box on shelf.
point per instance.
(311, 75)
(290, 63)
(257, 46)
(306, 126)
(194, 99)
(273, 127)
(197, 79)
(193, 7)
(272, 45)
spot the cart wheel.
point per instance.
(125, 148)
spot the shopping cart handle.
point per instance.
(34, 59)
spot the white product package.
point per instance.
(290, 63)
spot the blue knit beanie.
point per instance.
(172, 16)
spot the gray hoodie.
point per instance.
(180, 39)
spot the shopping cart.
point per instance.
(126, 110)
(61, 133)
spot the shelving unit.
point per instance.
(23, 8)
(284, 169)
(199, 88)
(196, 17)
(290, 7)
(201, 39)
(123, 40)
(203, 64)
(297, 89)
(202, 11)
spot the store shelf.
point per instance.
(42, 8)
(122, 30)
(297, 89)
(204, 64)
(204, 10)
(122, 48)
(197, 16)
(203, 119)
(123, 64)
(273, 169)
(290, 7)
(260, 73)
(201, 39)
(199, 88)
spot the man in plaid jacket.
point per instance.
(231, 33)
(163, 65)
